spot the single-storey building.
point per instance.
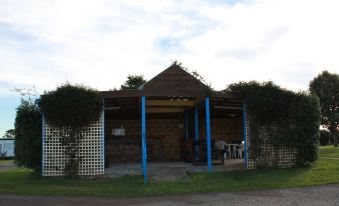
(173, 117)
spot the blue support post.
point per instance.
(186, 125)
(143, 134)
(196, 131)
(244, 117)
(208, 134)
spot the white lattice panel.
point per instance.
(91, 151)
(248, 143)
(282, 157)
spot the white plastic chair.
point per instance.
(227, 149)
(220, 147)
(238, 151)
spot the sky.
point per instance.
(45, 43)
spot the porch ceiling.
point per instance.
(171, 107)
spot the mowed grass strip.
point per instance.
(2, 162)
(324, 171)
(329, 151)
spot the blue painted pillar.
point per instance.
(143, 135)
(186, 125)
(208, 134)
(244, 117)
(196, 131)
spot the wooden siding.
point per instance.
(169, 133)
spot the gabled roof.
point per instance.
(172, 91)
(175, 81)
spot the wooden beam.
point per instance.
(164, 110)
(227, 107)
(187, 103)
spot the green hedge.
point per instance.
(289, 118)
(27, 147)
(71, 106)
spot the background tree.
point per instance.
(9, 134)
(326, 87)
(325, 137)
(27, 148)
(133, 82)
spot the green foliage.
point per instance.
(71, 106)
(287, 118)
(71, 109)
(133, 82)
(326, 87)
(9, 134)
(27, 148)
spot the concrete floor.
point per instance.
(130, 169)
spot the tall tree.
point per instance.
(133, 82)
(326, 87)
(9, 134)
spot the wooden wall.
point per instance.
(228, 130)
(166, 130)
(170, 133)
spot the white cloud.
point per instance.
(46, 43)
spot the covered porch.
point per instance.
(173, 121)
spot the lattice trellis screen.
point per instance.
(91, 151)
(282, 157)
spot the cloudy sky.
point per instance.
(44, 43)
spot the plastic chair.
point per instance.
(227, 152)
(238, 151)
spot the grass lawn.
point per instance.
(325, 171)
(6, 161)
(329, 151)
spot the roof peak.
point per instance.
(175, 81)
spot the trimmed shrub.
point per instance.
(288, 118)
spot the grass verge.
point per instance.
(6, 161)
(329, 151)
(324, 171)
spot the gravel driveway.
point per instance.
(7, 166)
(309, 196)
